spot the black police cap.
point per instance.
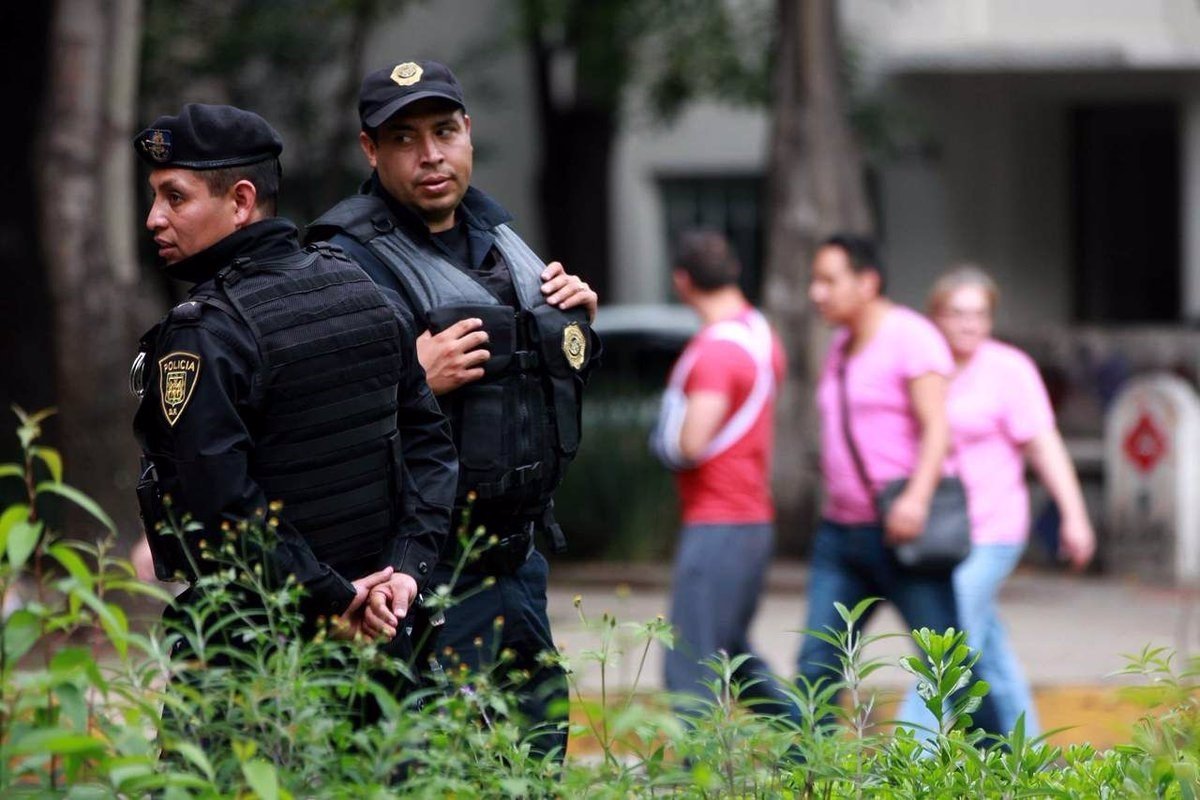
(208, 137)
(386, 91)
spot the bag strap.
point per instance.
(847, 432)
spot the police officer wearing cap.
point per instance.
(285, 381)
(507, 347)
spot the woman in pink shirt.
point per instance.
(896, 369)
(999, 414)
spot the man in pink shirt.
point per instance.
(716, 431)
(882, 392)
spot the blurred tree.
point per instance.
(86, 228)
(26, 349)
(297, 62)
(587, 56)
(815, 185)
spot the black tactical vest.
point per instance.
(518, 428)
(326, 443)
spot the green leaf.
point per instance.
(52, 459)
(123, 771)
(73, 705)
(112, 619)
(261, 776)
(68, 660)
(21, 632)
(39, 417)
(11, 516)
(21, 541)
(78, 498)
(55, 740)
(11, 471)
(196, 757)
(73, 564)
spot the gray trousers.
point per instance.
(719, 573)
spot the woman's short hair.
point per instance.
(958, 277)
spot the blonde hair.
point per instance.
(957, 277)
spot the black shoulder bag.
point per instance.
(946, 540)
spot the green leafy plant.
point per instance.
(236, 695)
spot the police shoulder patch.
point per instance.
(178, 373)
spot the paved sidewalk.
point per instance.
(1069, 632)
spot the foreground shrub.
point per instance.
(255, 704)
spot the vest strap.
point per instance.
(512, 479)
(312, 448)
(380, 398)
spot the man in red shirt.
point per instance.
(716, 430)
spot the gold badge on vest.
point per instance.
(177, 376)
(574, 345)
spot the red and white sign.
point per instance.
(1145, 444)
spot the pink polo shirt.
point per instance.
(997, 404)
(885, 427)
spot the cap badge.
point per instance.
(157, 144)
(177, 373)
(574, 345)
(407, 74)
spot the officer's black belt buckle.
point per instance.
(509, 552)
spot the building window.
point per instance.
(731, 204)
(1126, 206)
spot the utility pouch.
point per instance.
(166, 546)
(498, 321)
(563, 338)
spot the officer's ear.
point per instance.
(368, 147)
(245, 203)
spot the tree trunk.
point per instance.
(576, 137)
(87, 224)
(815, 187)
(574, 183)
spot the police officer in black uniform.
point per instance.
(286, 377)
(506, 346)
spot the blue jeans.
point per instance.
(977, 584)
(850, 563)
(719, 572)
(510, 614)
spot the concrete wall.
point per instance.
(988, 184)
(1135, 31)
(709, 139)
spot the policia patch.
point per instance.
(177, 376)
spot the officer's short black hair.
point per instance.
(705, 256)
(222, 144)
(860, 252)
(264, 175)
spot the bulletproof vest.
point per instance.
(518, 428)
(326, 443)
